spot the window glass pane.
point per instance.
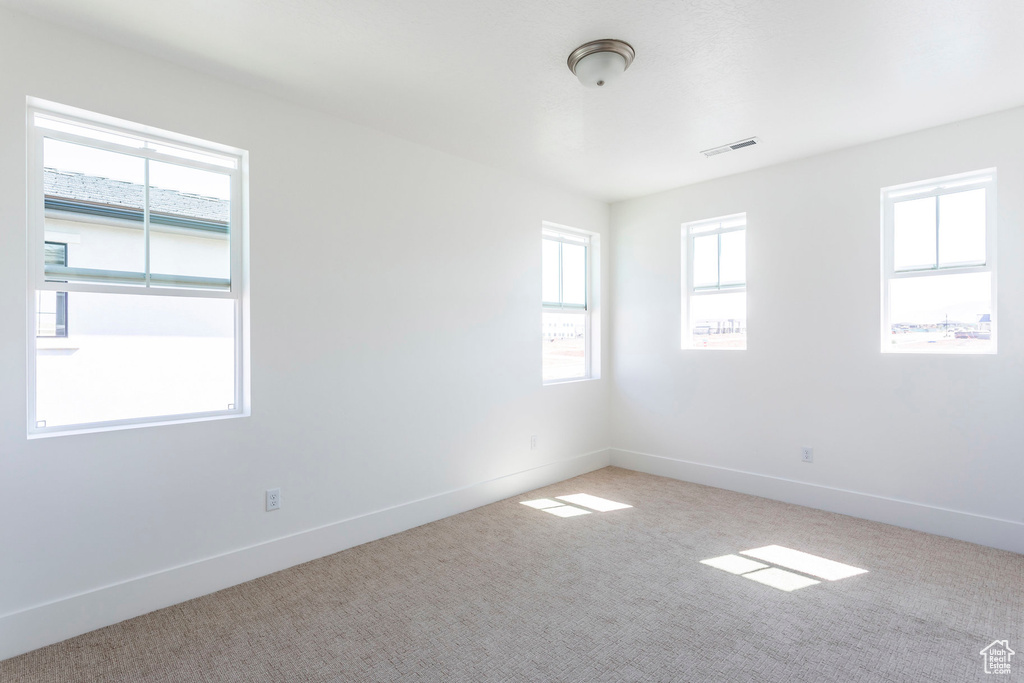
(914, 234)
(190, 212)
(98, 196)
(697, 228)
(88, 132)
(131, 356)
(51, 307)
(216, 160)
(99, 134)
(549, 269)
(734, 257)
(55, 254)
(962, 228)
(47, 304)
(61, 328)
(719, 321)
(941, 313)
(574, 274)
(705, 261)
(564, 346)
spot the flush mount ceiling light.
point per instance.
(600, 61)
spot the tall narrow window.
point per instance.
(715, 301)
(565, 261)
(938, 265)
(146, 231)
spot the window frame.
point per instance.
(566, 235)
(236, 289)
(704, 228)
(937, 187)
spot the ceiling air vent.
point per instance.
(739, 144)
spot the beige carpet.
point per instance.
(511, 593)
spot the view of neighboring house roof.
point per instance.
(985, 318)
(78, 187)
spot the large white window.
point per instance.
(566, 306)
(715, 283)
(939, 265)
(136, 275)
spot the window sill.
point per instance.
(939, 352)
(571, 380)
(52, 344)
(46, 433)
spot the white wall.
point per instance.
(396, 350)
(943, 432)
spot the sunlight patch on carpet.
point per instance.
(593, 502)
(567, 511)
(804, 563)
(781, 579)
(734, 564)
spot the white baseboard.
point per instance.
(73, 615)
(1004, 534)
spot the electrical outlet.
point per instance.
(807, 454)
(273, 499)
(533, 442)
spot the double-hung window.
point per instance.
(566, 309)
(143, 234)
(715, 299)
(939, 265)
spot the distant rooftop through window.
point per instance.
(86, 190)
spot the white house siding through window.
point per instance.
(131, 356)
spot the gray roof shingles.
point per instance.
(97, 190)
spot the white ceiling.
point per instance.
(486, 79)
